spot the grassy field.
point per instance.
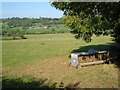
(46, 56)
(52, 29)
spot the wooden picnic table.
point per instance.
(89, 58)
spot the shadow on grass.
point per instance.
(22, 82)
(99, 47)
(10, 82)
(113, 48)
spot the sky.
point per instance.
(29, 9)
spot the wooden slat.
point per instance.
(91, 63)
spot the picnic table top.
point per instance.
(89, 53)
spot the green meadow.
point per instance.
(40, 47)
(46, 56)
(61, 28)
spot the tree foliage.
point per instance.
(88, 18)
(14, 33)
(28, 22)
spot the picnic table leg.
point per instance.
(78, 66)
(94, 58)
(70, 65)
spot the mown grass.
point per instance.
(39, 47)
(46, 56)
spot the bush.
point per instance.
(23, 37)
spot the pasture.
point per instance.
(50, 30)
(46, 56)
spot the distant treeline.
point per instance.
(16, 28)
(28, 22)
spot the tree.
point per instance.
(88, 18)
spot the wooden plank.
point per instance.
(91, 63)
